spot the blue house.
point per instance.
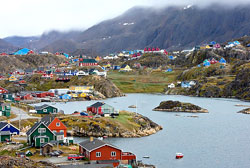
(185, 85)
(212, 42)
(223, 61)
(169, 70)
(65, 97)
(66, 55)
(117, 67)
(199, 65)
(248, 45)
(7, 127)
(171, 57)
(236, 43)
(23, 51)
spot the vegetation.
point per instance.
(143, 81)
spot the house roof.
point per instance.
(33, 128)
(97, 104)
(3, 124)
(47, 120)
(95, 144)
(42, 107)
(88, 61)
(124, 65)
(47, 144)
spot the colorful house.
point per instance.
(85, 89)
(23, 51)
(169, 70)
(223, 61)
(125, 68)
(66, 97)
(46, 109)
(56, 126)
(5, 109)
(39, 135)
(12, 78)
(8, 127)
(206, 63)
(102, 108)
(98, 150)
(88, 62)
(2, 90)
(5, 136)
(213, 61)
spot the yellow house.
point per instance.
(120, 55)
(208, 47)
(12, 78)
(81, 88)
(125, 68)
(82, 95)
(74, 95)
(97, 58)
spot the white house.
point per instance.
(82, 73)
(192, 83)
(171, 85)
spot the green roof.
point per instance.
(89, 61)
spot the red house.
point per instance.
(2, 90)
(55, 125)
(27, 97)
(103, 152)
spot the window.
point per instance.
(62, 131)
(58, 124)
(54, 110)
(41, 140)
(113, 153)
(59, 137)
(41, 130)
(44, 110)
(98, 154)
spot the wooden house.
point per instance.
(46, 109)
(5, 109)
(5, 136)
(125, 68)
(6, 126)
(2, 90)
(98, 150)
(12, 78)
(39, 134)
(101, 108)
(87, 62)
(55, 125)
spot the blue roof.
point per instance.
(66, 55)
(213, 42)
(23, 51)
(206, 63)
(170, 57)
(222, 60)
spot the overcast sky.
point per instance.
(33, 17)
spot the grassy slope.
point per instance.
(142, 82)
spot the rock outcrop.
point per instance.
(133, 125)
(245, 111)
(176, 106)
(8, 162)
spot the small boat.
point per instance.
(179, 155)
(105, 136)
(147, 157)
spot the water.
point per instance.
(219, 139)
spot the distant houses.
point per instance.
(46, 109)
(125, 68)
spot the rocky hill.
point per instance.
(13, 62)
(6, 47)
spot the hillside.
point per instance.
(171, 28)
(12, 62)
(6, 47)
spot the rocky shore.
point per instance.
(176, 106)
(245, 111)
(127, 125)
(8, 162)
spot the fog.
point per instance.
(33, 17)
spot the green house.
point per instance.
(39, 134)
(5, 136)
(5, 109)
(8, 96)
(46, 109)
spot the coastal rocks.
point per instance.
(132, 106)
(176, 106)
(7, 161)
(245, 111)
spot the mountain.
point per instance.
(171, 28)
(6, 47)
(21, 41)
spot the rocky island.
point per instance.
(127, 125)
(176, 106)
(245, 111)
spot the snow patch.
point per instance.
(187, 7)
(128, 24)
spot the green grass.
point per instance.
(142, 82)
